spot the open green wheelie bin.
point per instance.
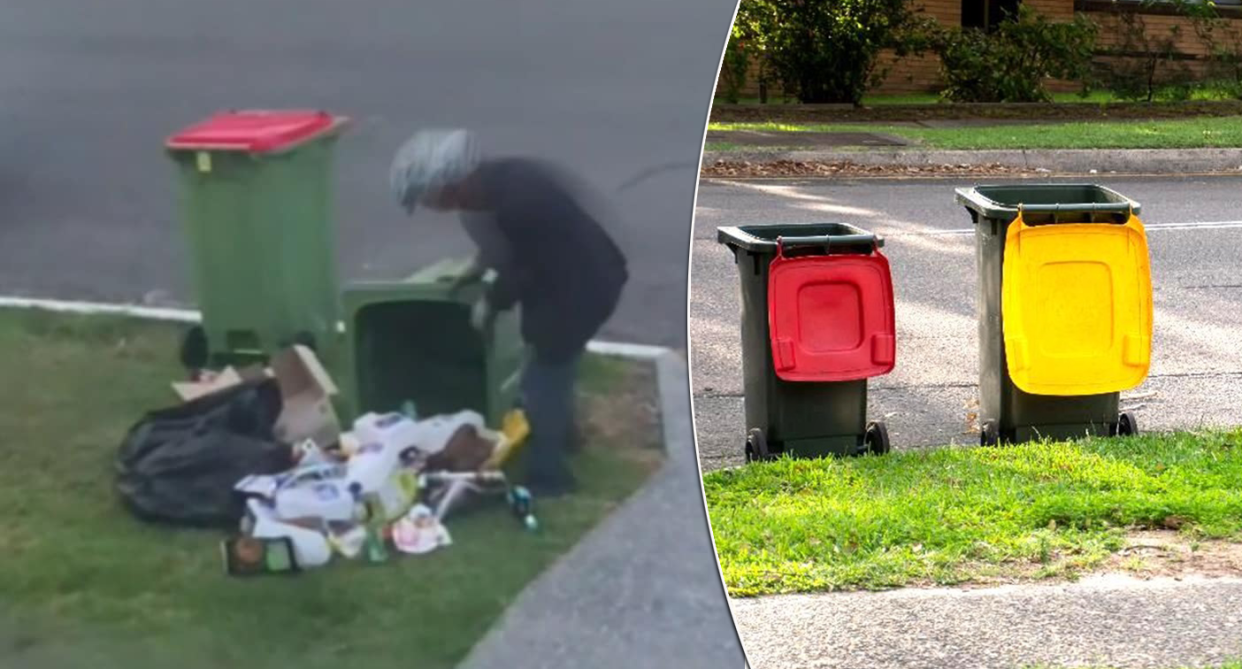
(412, 340)
(256, 198)
(817, 322)
(1064, 309)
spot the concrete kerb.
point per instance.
(175, 315)
(1082, 161)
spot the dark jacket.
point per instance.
(553, 258)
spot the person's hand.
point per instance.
(473, 273)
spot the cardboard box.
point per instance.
(192, 390)
(306, 392)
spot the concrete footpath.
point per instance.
(642, 589)
(1107, 621)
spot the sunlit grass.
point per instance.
(1225, 132)
(956, 514)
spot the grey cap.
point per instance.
(429, 160)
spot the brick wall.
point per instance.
(1056, 10)
(1157, 26)
(922, 74)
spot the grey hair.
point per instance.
(432, 159)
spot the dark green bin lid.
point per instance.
(762, 238)
(1003, 202)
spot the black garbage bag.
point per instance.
(179, 465)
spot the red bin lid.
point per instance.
(255, 131)
(830, 317)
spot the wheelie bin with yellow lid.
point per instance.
(1064, 308)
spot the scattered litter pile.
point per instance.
(261, 451)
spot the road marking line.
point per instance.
(609, 348)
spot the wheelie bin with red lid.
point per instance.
(817, 322)
(256, 198)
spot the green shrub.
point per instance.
(1012, 62)
(1146, 63)
(1223, 41)
(748, 45)
(827, 50)
(733, 70)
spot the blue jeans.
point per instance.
(548, 396)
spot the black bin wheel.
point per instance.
(1127, 425)
(876, 438)
(757, 447)
(194, 350)
(989, 433)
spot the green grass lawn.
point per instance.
(82, 577)
(1168, 134)
(959, 514)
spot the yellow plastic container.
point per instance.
(1076, 306)
(513, 434)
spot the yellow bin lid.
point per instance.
(1077, 307)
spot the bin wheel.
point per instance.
(1127, 426)
(876, 438)
(989, 434)
(194, 350)
(757, 447)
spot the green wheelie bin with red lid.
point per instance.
(256, 199)
(817, 322)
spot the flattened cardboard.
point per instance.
(307, 390)
(229, 377)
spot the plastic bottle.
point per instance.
(371, 514)
(409, 410)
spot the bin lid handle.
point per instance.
(826, 241)
(1126, 207)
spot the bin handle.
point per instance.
(1126, 208)
(825, 241)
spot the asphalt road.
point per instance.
(91, 90)
(1195, 237)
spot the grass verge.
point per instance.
(1171, 134)
(956, 515)
(82, 578)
